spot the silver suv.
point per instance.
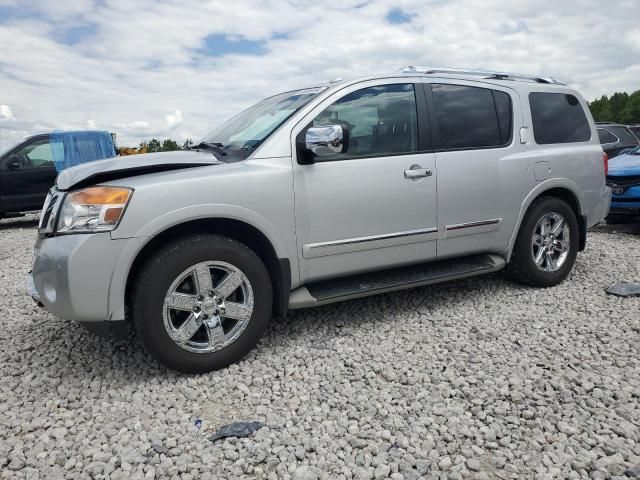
(319, 195)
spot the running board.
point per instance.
(344, 288)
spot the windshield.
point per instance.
(247, 130)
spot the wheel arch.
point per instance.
(279, 268)
(569, 193)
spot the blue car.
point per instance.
(624, 180)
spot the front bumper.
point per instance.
(72, 275)
(626, 203)
(31, 290)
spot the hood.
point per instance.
(132, 165)
(624, 165)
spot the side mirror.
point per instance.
(323, 141)
(14, 163)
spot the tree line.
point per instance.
(167, 145)
(621, 107)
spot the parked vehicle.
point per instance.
(624, 180)
(616, 139)
(29, 169)
(320, 195)
(635, 129)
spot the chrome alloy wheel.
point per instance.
(550, 243)
(208, 306)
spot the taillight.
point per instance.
(605, 159)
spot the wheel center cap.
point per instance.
(209, 307)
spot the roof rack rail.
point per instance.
(483, 73)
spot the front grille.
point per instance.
(624, 181)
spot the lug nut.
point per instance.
(205, 317)
(210, 293)
(200, 298)
(196, 309)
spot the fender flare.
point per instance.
(117, 288)
(534, 194)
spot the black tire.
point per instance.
(155, 278)
(522, 267)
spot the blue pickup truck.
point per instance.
(29, 169)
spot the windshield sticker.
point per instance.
(310, 91)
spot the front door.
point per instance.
(374, 205)
(26, 175)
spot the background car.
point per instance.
(29, 169)
(624, 180)
(616, 138)
(635, 129)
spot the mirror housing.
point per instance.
(322, 141)
(13, 163)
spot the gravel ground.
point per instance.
(478, 378)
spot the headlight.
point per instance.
(95, 209)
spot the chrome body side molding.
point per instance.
(336, 247)
(472, 228)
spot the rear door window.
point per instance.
(558, 118)
(472, 117)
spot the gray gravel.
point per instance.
(474, 379)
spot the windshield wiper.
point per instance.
(215, 146)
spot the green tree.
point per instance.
(631, 112)
(169, 145)
(154, 146)
(188, 143)
(620, 107)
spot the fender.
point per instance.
(144, 235)
(536, 192)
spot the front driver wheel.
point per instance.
(547, 244)
(201, 303)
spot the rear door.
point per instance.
(26, 175)
(480, 179)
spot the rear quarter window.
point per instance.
(624, 134)
(558, 118)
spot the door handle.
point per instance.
(417, 172)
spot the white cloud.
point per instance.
(174, 119)
(91, 124)
(131, 66)
(6, 113)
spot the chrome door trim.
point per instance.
(348, 245)
(471, 228)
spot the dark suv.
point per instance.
(616, 138)
(635, 129)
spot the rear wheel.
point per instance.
(201, 303)
(547, 244)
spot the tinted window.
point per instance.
(558, 118)
(606, 136)
(381, 121)
(471, 117)
(35, 154)
(624, 134)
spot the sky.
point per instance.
(178, 68)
